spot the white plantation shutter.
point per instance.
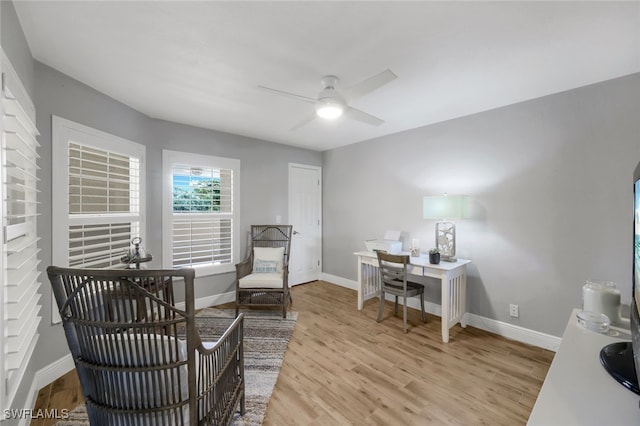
(200, 210)
(104, 205)
(99, 246)
(98, 202)
(201, 240)
(20, 275)
(102, 182)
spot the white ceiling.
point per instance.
(199, 63)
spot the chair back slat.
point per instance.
(393, 269)
(393, 276)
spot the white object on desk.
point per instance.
(390, 243)
(577, 389)
(452, 276)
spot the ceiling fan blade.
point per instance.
(289, 95)
(369, 85)
(356, 114)
(306, 120)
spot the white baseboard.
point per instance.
(515, 332)
(510, 331)
(216, 299)
(43, 377)
(342, 282)
(53, 371)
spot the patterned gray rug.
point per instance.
(266, 337)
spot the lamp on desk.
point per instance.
(444, 208)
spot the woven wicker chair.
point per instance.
(393, 276)
(139, 358)
(263, 278)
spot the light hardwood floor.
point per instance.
(343, 368)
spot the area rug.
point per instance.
(266, 337)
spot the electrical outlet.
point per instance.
(514, 311)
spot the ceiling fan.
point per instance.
(331, 103)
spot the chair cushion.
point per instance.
(269, 254)
(262, 280)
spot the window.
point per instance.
(200, 198)
(19, 275)
(99, 201)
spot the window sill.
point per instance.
(206, 271)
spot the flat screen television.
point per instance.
(622, 359)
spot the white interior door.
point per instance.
(305, 207)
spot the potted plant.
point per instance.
(434, 256)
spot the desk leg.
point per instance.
(444, 307)
(368, 281)
(454, 301)
(463, 299)
(360, 284)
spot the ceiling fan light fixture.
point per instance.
(329, 108)
(331, 104)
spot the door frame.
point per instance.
(290, 210)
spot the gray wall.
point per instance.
(15, 45)
(550, 187)
(264, 182)
(57, 94)
(263, 174)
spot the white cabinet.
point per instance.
(578, 390)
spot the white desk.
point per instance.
(578, 390)
(452, 275)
